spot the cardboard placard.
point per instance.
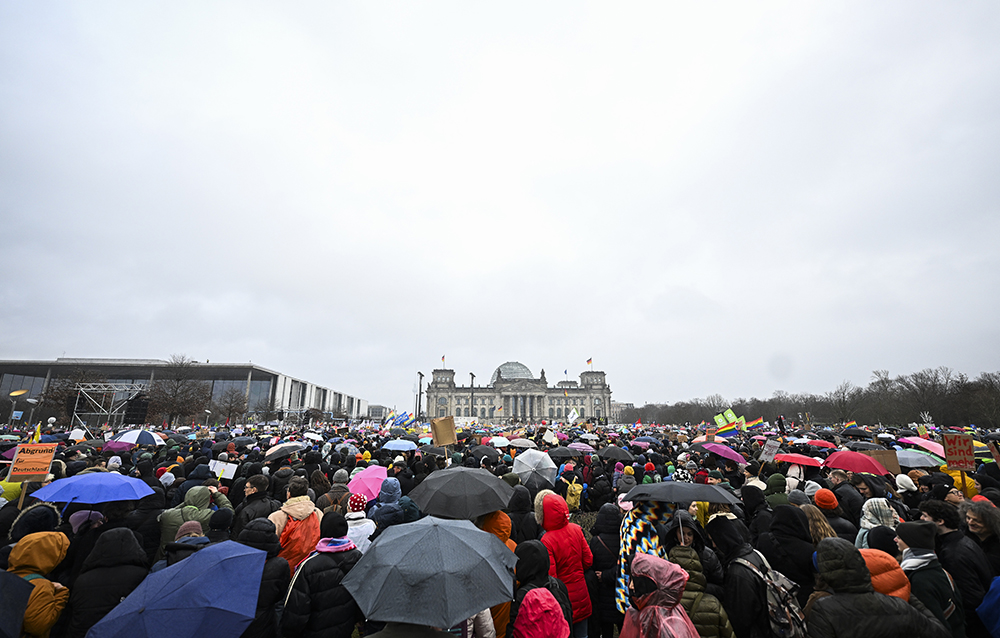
(922, 431)
(887, 458)
(710, 434)
(443, 431)
(959, 453)
(31, 462)
(223, 470)
(994, 450)
(770, 449)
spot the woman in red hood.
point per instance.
(569, 554)
(655, 588)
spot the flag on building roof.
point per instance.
(590, 361)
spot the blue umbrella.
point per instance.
(139, 437)
(399, 445)
(211, 594)
(99, 487)
(649, 439)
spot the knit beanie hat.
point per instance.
(190, 527)
(629, 470)
(399, 460)
(167, 479)
(160, 471)
(905, 484)
(619, 467)
(811, 488)
(649, 467)
(357, 503)
(826, 499)
(223, 456)
(883, 538)
(114, 462)
(798, 497)
(917, 534)
(716, 474)
(333, 525)
(341, 476)
(221, 519)
(691, 466)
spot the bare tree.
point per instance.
(232, 404)
(844, 401)
(177, 393)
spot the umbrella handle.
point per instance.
(68, 503)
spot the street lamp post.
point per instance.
(13, 405)
(420, 392)
(472, 393)
(31, 415)
(208, 413)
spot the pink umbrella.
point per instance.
(820, 443)
(369, 481)
(931, 446)
(758, 438)
(799, 459)
(561, 436)
(642, 444)
(582, 447)
(118, 446)
(724, 452)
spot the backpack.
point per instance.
(573, 493)
(783, 610)
(298, 539)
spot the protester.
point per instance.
(928, 580)
(983, 521)
(569, 554)
(260, 534)
(522, 516)
(705, 610)
(875, 511)
(335, 499)
(256, 503)
(533, 571)
(359, 527)
(196, 507)
(605, 543)
(540, 616)
(744, 593)
(297, 523)
(655, 588)
(828, 504)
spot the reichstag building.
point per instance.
(515, 394)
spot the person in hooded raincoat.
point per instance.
(569, 554)
(531, 572)
(35, 556)
(655, 589)
(196, 507)
(498, 524)
(788, 548)
(540, 616)
(605, 544)
(524, 527)
(705, 610)
(682, 529)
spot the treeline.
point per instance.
(942, 395)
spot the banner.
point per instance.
(31, 462)
(223, 470)
(720, 420)
(730, 416)
(958, 452)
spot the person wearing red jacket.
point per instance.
(569, 554)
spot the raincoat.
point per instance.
(569, 553)
(36, 555)
(658, 613)
(540, 616)
(498, 524)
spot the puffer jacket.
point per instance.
(540, 615)
(279, 481)
(524, 527)
(532, 571)
(705, 610)
(855, 609)
(113, 569)
(788, 548)
(143, 520)
(659, 612)
(38, 554)
(196, 507)
(569, 553)
(710, 565)
(274, 580)
(38, 517)
(256, 505)
(317, 605)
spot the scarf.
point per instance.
(915, 558)
(877, 511)
(639, 536)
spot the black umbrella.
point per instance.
(432, 572)
(283, 449)
(677, 492)
(14, 591)
(433, 449)
(410, 437)
(563, 453)
(461, 492)
(615, 453)
(864, 445)
(180, 438)
(241, 441)
(397, 431)
(857, 433)
(220, 446)
(484, 450)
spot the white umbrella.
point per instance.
(139, 437)
(590, 437)
(523, 443)
(532, 465)
(78, 434)
(312, 436)
(499, 441)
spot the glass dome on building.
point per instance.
(511, 370)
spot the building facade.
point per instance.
(514, 394)
(263, 389)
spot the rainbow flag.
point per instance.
(756, 423)
(850, 424)
(727, 430)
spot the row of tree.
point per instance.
(949, 397)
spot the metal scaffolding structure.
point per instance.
(103, 400)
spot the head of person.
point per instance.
(189, 529)
(954, 496)
(714, 477)
(983, 520)
(297, 486)
(917, 535)
(838, 476)
(944, 515)
(333, 525)
(256, 484)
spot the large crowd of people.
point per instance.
(786, 549)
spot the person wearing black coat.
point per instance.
(114, 568)
(758, 511)
(849, 498)
(260, 534)
(256, 503)
(279, 481)
(788, 548)
(605, 542)
(196, 477)
(144, 520)
(317, 605)
(744, 592)
(524, 526)
(694, 537)
(856, 610)
(599, 492)
(531, 571)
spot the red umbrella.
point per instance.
(820, 443)
(799, 459)
(855, 462)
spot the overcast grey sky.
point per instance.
(729, 198)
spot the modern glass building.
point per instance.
(263, 389)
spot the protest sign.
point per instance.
(994, 450)
(770, 449)
(710, 434)
(223, 470)
(887, 458)
(443, 431)
(922, 431)
(958, 452)
(31, 462)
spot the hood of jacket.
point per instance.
(554, 511)
(260, 533)
(540, 615)
(669, 578)
(498, 524)
(198, 496)
(790, 522)
(887, 576)
(39, 517)
(843, 567)
(690, 561)
(298, 507)
(200, 473)
(776, 484)
(38, 553)
(532, 563)
(390, 491)
(727, 538)
(114, 547)
(752, 497)
(155, 501)
(520, 502)
(284, 473)
(682, 519)
(609, 520)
